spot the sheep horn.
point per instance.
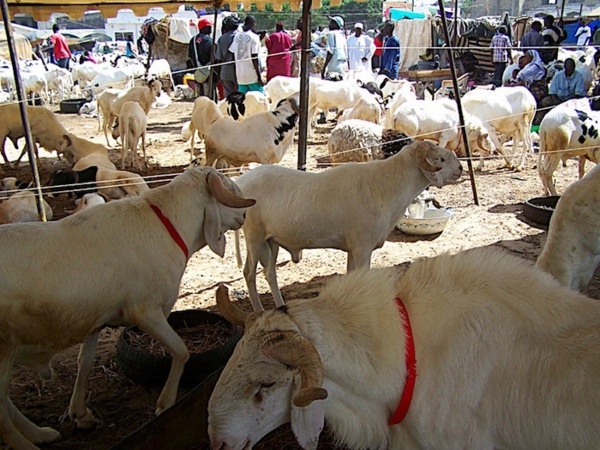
(421, 153)
(224, 195)
(480, 142)
(295, 105)
(235, 315)
(292, 349)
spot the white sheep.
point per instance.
(506, 110)
(126, 282)
(263, 138)
(405, 94)
(204, 113)
(566, 132)
(160, 69)
(438, 120)
(132, 129)
(334, 209)
(87, 201)
(357, 141)
(572, 250)
(22, 207)
(502, 356)
(280, 87)
(111, 79)
(239, 105)
(366, 108)
(186, 134)
(90, 109)
(183, 92)
(10, 186)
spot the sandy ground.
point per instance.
(124, 406)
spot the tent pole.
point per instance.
(304, 85)
(562, 12)
(461, 117)
(213, 92)
(23, 109)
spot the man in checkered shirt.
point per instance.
(500, 54)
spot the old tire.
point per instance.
(152, 370)
(540, 209)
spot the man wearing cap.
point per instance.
(278, 46)
(390, 58)
(337, 49)
(224, 58)
(245, 48)
(199, 50)
(360, 49)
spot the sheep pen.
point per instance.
(123, 405)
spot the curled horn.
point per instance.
(227, 309)
(224, 195)
(421, 152)
(295, 351)
(295, 105)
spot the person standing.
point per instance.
(500, 54)
(360, 49)
(129, 53)
(336, 60)
(224, 58)
(199, 50)
(378, 42)
(390, 58)
(245, 48)
(60, 48)
(583, 35)
(533, 40)
(278, 46)
(553, 36)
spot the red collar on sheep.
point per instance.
(411, 367)
(172, 231)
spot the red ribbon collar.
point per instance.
(172, 230)
(411, 367)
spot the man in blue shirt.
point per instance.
(566, 84)
(390, 57)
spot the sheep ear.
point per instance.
(212, 228)
(307, 422)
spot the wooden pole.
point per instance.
(461, 117)
(10, 39)
(562, 12)
(213, 92)
(304, 85)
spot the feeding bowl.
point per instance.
(72, 105)
(433, 221)
(540, 209)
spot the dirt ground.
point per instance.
(122, 406)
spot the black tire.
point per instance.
(72, 105)
(153, 370)
(540, 209)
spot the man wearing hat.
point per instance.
(337, 48)
(199, 50)
(224, 58)
(360, 49)
(245, 48)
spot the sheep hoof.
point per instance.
(85, 422)
(46, 435)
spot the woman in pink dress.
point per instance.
(278, 47)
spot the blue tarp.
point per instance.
(397, 14)
(571, 29)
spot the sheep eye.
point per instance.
(267, 385)
(443, 160)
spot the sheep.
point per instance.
(204, 113)
(103, 102)
(389, 87)
(90, 109)
(572, 250)
(132, 128)
(401, 96)
(358, 141)
(112, 184)
(506, 110)
(186, 134)
(60, 82)
(239, 105)
(83, 152)
(22, 207)
(438, 120)
(366, 108)
(334, 209)
(111, 79)
(111, 109)
(87, 201)
(279, 88)
(495, 353)
(160, 69)
(184, 92)
(11, 185)
(566, 132)
(34, 83)
(127, 281)
(263, 138)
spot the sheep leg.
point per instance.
(546, 167)
(37, 435)
(358, 260)
(155, 324)
(193, 131)
(78, 412)
(252, 250)
(498, 145)
(582, 160)
(269, 262)
(124, 142)
(144, 148)
(6, 161)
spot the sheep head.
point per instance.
(274, 376)
(437, 164)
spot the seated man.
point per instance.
(566, 85)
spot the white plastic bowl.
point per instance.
(434, 221)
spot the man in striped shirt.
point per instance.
(500, 54)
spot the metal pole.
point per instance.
(562, 11)
(23, 109)
(212, 93)
(461, 117)
(304, 85)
